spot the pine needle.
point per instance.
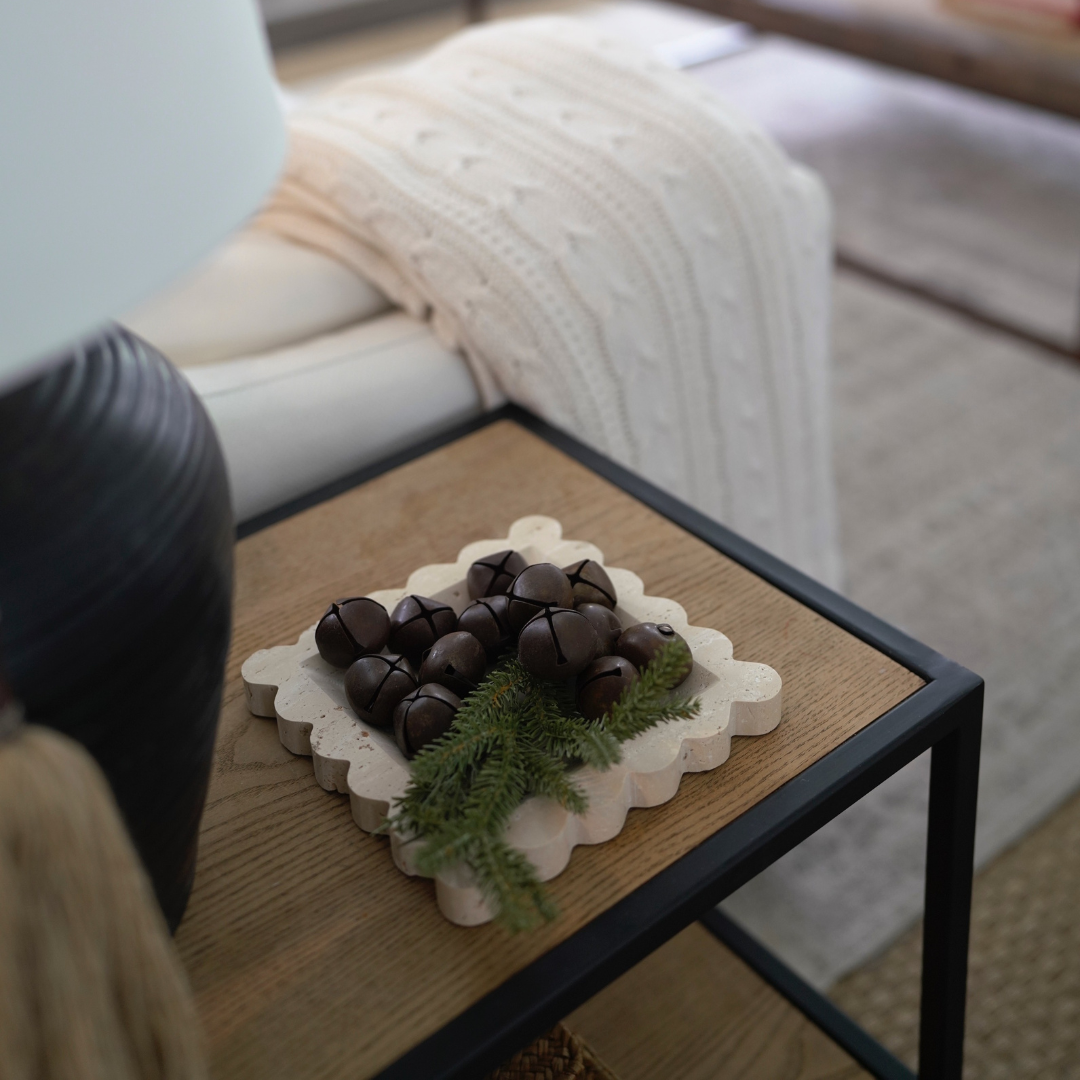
(513, 737)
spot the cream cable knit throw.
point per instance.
(609, 245)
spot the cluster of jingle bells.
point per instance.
(410, 668)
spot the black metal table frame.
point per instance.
(945, 715)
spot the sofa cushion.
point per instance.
(296, 418)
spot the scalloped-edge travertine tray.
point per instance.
(306, 695)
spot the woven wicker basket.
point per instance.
(558, 1055)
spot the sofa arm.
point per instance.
(256, 292)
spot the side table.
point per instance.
(310, 954)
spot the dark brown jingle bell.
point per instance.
(557, 644)
(601, 684)
(417, 622)
(537, 588)
(422, 716)
(491, 575)
(590, 583)
(375, 684)
(352, 627)
(456, 660)
(642, 641)
(487, 620)
(606, 624)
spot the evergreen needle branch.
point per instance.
(648, 702)
(513, 737)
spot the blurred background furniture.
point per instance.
(1027, 52)
(930, 37)
(991, 47)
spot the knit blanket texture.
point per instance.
(608, 244)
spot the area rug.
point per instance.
(958, 460)
(973, 196)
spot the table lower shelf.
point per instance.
(695, 1010)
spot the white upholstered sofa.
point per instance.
(310, 375)
(304, 368)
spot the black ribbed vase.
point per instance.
(115, 582)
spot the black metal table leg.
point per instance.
(950, 853)
(954, 781)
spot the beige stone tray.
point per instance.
(293, 684)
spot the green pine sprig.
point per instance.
(513, 737)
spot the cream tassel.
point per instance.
(91, 987)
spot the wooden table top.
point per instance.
(309, 953)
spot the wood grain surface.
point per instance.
(309, 953)
(695, 1011)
